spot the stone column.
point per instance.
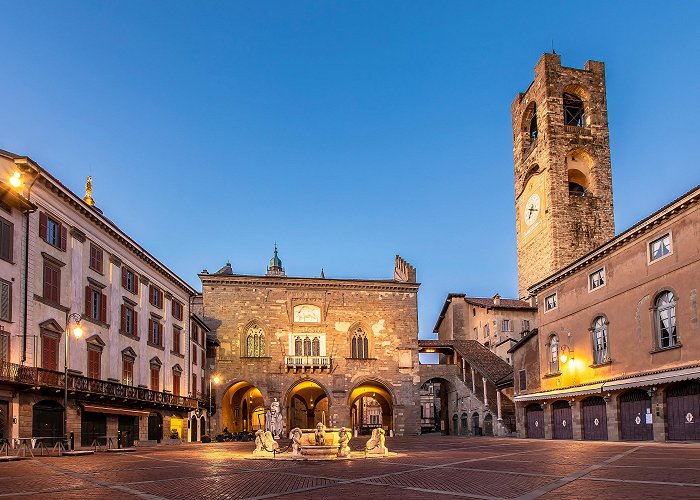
(577, 424)
(464, 372)
(486, 396)
(473, 381)
(611, 412)
(498, 404)
(658, 413)
(548, 431)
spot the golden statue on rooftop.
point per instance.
(88, 192)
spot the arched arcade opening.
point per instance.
(371, 406)
(242, 408)
(307, 405)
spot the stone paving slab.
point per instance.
(425, 467)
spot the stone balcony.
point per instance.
(308, 363)
(92, 389)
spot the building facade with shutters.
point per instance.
(137, 371)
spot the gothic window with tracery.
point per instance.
(255, 342)
(360, 344)
(315, 347)
(307, 346)
(298, 349)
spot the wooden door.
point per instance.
(595, 419)
(155, 427)
(475, 424)
(634, 407)
(562, 420)
(4, 421)
(129, 427)
(93, 426)
(535, 421)
(683, 411)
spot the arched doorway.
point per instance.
(371, 405)
(595, 419)
(534, 416)
(47, 421)
(203, 426)
(465, 424)
(488, 425)
(437, 391)
(683, 410)
(242, 408)
(475, 424)
(634, 407)
(155, 426)
(193, 429)
(307, 405)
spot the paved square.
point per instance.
(426, 467)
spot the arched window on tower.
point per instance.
(255, 342)
(360, 344)
(533, 124)
(574, 113)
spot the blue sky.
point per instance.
(346, 132)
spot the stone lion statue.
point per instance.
(265, 444)
(375, 445)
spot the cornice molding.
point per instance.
(307, 283)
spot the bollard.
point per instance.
(72, 441)
(119, 439)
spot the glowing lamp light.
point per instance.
(217, 379)
(563, 358)
(566, 354)
(16, 180)
(78, 332)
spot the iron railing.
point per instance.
(41, 377)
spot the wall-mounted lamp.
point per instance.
(566, 354)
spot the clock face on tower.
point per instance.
(532, 209)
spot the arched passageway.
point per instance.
(371, 405)
(434, 395)
(242, 408)
(307, 405)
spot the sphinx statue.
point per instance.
(375, 445)
(265, 444)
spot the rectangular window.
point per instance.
(194, 385)
(523, 380)
(155, 332)
(4, 347)
(204, 388)
(660, 247)
(596, 279)
(177, 335)
(96, 256)
(127, 371)
(52, 232)
(94, 362)
(129, 280)
(177, 310)
(526, 325)
(155, 378)
(5, 300)
(176, 384)
(95, 304)
(195, 333)
(129, 322)
(506, 325)
(52, 283)
(194, 355)
(550, 302)
(155, 296)
(204, 358)
(6, 235)
(49, 352)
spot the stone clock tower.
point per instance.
(563, 182)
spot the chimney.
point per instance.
(497, 300)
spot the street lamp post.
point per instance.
(216, 380)
(78, 332)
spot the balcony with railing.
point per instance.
(77, 384)
(308, 363)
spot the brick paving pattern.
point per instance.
(424, 467)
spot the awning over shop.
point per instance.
(562, 393)
(653, 379)
(114, 411)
